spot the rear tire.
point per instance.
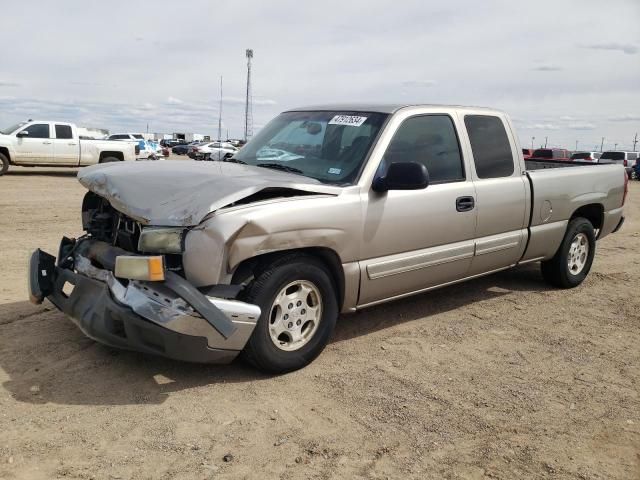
(300, 346)
(572, 262)
(110, 159)
(4, 164)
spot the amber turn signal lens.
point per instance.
(140, 268)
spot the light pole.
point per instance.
(576, 145)
(532, 139)
(615, 146)
(545, 142)
(601, 144)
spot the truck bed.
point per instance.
(540, 164)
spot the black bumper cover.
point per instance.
(93, 309)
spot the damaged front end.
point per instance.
(168, 317)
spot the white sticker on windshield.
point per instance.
(350, 120)
(334, 171)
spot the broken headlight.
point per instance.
(161, 240)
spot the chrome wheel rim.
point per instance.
(578, 253)
(295, 315)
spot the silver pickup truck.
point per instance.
(328, 209)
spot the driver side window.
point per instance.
(432, 141)
(38, 130)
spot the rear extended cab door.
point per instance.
(503, 194)
(66, 146)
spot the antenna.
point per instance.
(220, 113)
(248, 115)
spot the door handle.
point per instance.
(465, 204)
(72, 144)
(46, 143)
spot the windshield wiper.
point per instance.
(278, 166)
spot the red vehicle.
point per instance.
(526, 152)
(558, 154)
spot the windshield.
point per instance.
(542, 153)
(612, 156)
(328, 146)
(12, 128)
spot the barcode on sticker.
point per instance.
(351, 120)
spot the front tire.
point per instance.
(572, 262)
(4, 164)
(297, 297)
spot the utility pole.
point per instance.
(545, 142)
(635, 141)
(576, 145)
(601, 144)
(220, 113)
(615, 146)
(532, 139)
(248, 120)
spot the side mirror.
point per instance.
(23, 133)
(402, 176)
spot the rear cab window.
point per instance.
(490, 146)
(64, 132)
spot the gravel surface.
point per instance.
(498, 378)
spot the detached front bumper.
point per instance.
(171, 318)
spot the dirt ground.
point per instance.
(498, 378)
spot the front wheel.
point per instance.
(4, 164)
(572, 262)
(297, 297)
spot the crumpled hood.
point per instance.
(182, 193)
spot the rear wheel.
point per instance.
(4, 164)
(572, 262)
(299, 311)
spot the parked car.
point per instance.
(183, 149)
(212, 151)
(56, 144)
(585, 157)
(557, 154)
(172, 143)
(527, 152)
(147, 150)
(199, 263)
(626, 159)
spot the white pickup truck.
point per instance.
(56, 144)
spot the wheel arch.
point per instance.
(594, 212)
(328, 257)
(103, 155)
(5, 152)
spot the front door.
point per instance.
(417, 239)
(35, 147)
